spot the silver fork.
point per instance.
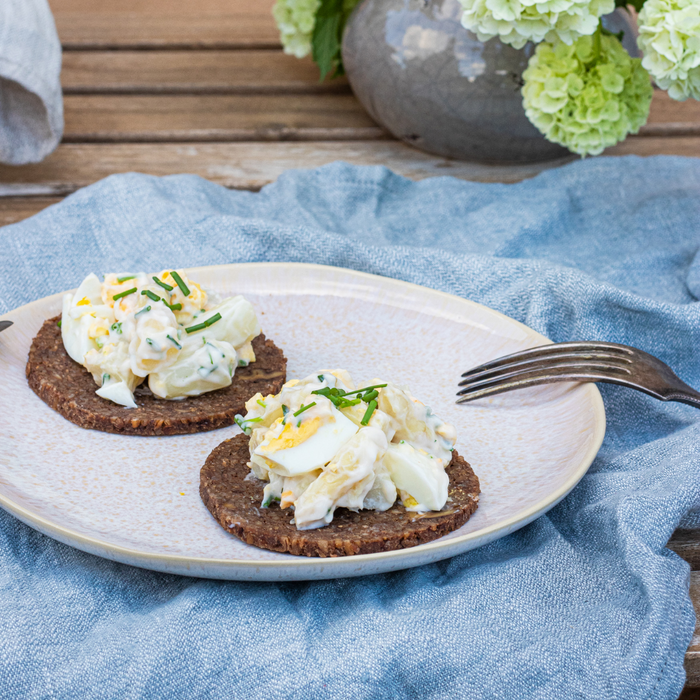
(577, 362)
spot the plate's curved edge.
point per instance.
(313, 568)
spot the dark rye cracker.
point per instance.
(234, 501)
(69, 388)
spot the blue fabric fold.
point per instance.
(586, 602)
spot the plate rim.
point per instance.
(431, 551)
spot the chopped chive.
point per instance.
(253, 420)
(370, 395)
(174, 342)
(242, 363)
(124, 294)
(145, 310)
(117, 327)
(299, 423)
(198, 327)
(165, 286)
(285, 409)
(172, 307)
(150, 295)
(60, 323)
(304, 408)
(105, 378)
(368, 413)
(262, 403)
(178, 280)
(124, 279)
(320, 378)
(99, 343)
(365, 389)
(201, 326)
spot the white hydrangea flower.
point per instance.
(516, 22)
(295, 20)
(669, 36)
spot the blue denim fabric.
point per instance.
(586, 602)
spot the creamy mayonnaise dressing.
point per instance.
(322, 444)
(187, 341)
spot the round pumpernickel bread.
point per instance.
(69, 388)
(233, 498)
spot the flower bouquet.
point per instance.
(581, 87)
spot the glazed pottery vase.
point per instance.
(432, 84)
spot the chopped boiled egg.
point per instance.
(165, 326)
(321, 444)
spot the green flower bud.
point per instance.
(586, 96)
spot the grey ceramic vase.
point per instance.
(431, 83)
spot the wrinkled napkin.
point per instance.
(31, 105)
(586, 602)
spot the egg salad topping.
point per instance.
(187, 341)
(322, 444)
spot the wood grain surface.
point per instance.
(229, 24)
(192, 72)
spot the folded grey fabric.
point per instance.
(586, 602)
(31, 106)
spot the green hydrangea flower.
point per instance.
(295, 20)
(669, 36)
(587, 96)
(516, 22)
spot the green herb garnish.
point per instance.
(262, 403)
(172, 307)
(124, 294)
(60, 323)
(174, 342)
(117, 327)
(124, 279)
(321, 378)
(368, 413)
(364, 389)
(304, 408)
(145, 310)
(201, 326)
(151, 295)
(105, 378)
(167, 287)
(178, 280)
(370, 395)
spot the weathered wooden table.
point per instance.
(202, 86)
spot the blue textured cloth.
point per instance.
(586, 602)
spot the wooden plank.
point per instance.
(235, 165)
(253, 165)
(692, 656)
(266, 116)
(14, 209)
(146, 24)
(668, 117)
(686, 543)
(141, 118)
(204, 72)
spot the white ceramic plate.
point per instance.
(136, 500)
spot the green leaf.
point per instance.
(637, 4)
(327, 37)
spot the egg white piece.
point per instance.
(314, 452)
(420, 474)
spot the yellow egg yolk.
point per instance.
(292, 435)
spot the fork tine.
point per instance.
(550, 367)
(523, 380)
(554, 349)
(529, 362)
